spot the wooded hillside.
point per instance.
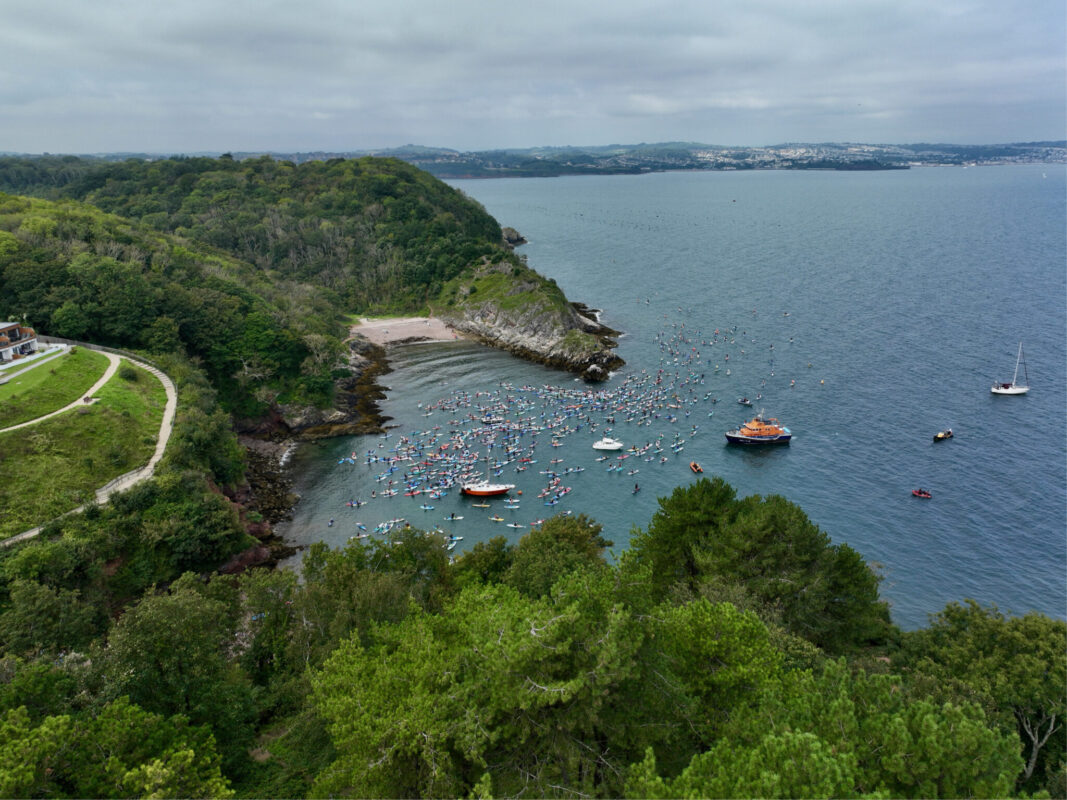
(380, 233)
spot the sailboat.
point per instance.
(1014, 387)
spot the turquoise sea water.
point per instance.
(893, 300)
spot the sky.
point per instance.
(186, 76)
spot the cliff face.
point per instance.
(515, 309)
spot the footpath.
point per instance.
(122, 482)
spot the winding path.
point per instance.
(122, 482)
(112, 368)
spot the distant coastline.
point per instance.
(635, 159)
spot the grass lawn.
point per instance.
(57, 465)
(50, 386)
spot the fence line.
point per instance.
(89, 346)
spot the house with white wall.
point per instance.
(16, 341)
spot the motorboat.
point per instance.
(760, 430)
(607, 443)
(941, 436)
(744, 401)
(486, 489)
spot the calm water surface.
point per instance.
(870, 310)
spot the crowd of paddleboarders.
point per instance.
(483, 440)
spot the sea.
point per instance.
(864, 310)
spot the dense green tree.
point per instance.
(560, 546)
(1013, 666)
(123, 751)
(543, 695)
(786, 765)
(341, 594)
(843, 734)
(42, 620)
(378, 232)
(486, 562)
(680, 530)
(168, 654)
(43, 689)
(76, 272)
(770, 549)
(420, 560)
(28, 752)
(499, 684)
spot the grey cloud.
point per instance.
(198, 75)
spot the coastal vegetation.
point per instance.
(530, 669)
(76, 272)
(379, 234)
(734, 650)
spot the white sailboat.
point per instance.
(1014, 387)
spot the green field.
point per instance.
(58, 464)
(49, 386)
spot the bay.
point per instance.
(893, 300)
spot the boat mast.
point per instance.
(1018, 358)
(1026, 376)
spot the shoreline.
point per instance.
(268, 460)
(399, 330)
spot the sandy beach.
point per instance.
(404, 329)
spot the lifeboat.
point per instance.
(760, 430)
(695, 467)
(486, 489)
(923, 493)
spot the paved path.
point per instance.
(122, 482)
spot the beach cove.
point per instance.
(845, 285)
(395, 330)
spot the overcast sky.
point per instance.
(181, 76)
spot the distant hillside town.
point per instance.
(619, 159)
(638, 158)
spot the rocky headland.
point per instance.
(513, 308)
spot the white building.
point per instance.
(16, 341)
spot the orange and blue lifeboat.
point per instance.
(760, 430)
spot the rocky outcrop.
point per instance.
(512, 238)
(511, 307)
(354, 411)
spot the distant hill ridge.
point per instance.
(547, 161)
